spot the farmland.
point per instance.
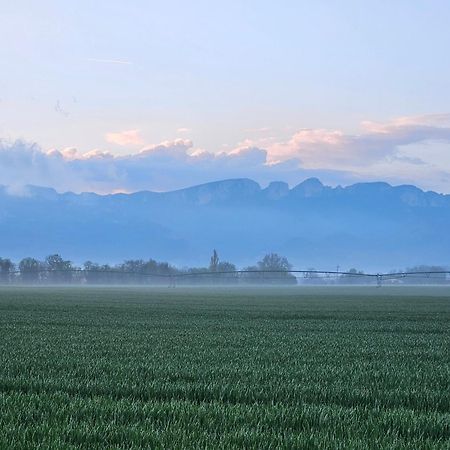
(199, 368)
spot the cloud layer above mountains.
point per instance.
(397, 151)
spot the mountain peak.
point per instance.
(223, 190)
(276, 190)
(311, 187)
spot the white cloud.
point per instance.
(183, 130)
(124, 138)
(380, 152)
(166, 166)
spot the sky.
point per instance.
(114, 96)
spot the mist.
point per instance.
(373, 227)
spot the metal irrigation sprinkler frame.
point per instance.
(173, 277)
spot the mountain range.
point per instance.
(374, 226)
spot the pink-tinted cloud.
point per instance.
(124, 138)
(182, 130)
(379, 152)
(321, 148)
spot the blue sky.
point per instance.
(344, 90)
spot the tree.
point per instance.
(132, 270)
(226, 266)
(251, 275)
(214, 262)
(273, 262)
(92, 270)
(227, 278)
(30, 270)
(164, 269)
(6, 267)
(59, 270)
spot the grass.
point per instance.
(195, 368)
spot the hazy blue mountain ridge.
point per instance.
(368, 225)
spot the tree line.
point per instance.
(423, 274)
(54, 269)
(271, 269)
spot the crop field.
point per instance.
(168, 368)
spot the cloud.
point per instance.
(382, 151)
(183, 130)
(433, 120)
(166, 166)
(124, 138)
(321, 148)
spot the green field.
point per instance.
(171, 368)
